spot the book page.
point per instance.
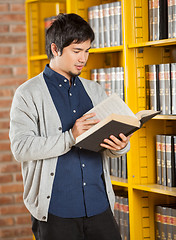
(112, 104)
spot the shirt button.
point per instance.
(74, 111)
(83, 165)
(70, 94)
(60, 85)
(74, 84)
(65, 80)
(84, 184)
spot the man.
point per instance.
(66, 189)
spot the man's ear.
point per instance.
(54, 50)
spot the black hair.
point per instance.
(65, 29)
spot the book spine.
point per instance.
(169, 223)
(96, 26)
(174, 157)
(94, 75)
(108, 87)
(174, 18)
(156, 19)
(174, 223)
(101, 27)
(173, 87)
(162, 89)
(90, 20)
(121, 217)
(168, 160)
(167, 89)
(124, 166)
(120, 167)
(150, 16)
(169, 3)
(112, 24)
(126, 219)
(101, 77)
(113, 79)
(158, 159)
(106, 24)
(116, 209)
(163, 19)
(117, 82)
(117, 23)
(122, 94)
(158, 222)
(163, 222)
(147, 87)
(152, 75)
(163, 160)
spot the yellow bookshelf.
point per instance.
(136, 52)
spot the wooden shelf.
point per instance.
(106, 50)
(155, 188)
(165, 117)
(159, 43)
(119, 181)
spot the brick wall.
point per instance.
(14, 218)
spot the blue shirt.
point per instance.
(78, 188)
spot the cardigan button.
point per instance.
(48, 197)
(44, 218)
(60, 128)
(52, 174)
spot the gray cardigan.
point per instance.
(36, 141)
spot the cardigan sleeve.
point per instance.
(28, 142)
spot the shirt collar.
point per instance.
(58, 78)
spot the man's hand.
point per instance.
(114, 143)
(82, 124)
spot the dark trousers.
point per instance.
(100, 227)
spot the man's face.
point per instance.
(73, 59)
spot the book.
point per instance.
(173, 88)
(115, 117)
(163, 160)
(170, 18)
(158, 159)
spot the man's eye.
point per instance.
(76, 51)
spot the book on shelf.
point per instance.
(165, 221)
(121, 214)
(158, 20)
(158, 160)
(163, 161)
(161, 87)
(166, 160)
(111, 79)
(115, 117)
(106, 21)
(173, 87)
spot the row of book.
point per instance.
(111, 79)
(165, 222)
(106, 21)
(161, 87)
(121, 214)
(162, 19)
(118, 166)
(166, 160)
(158, 20)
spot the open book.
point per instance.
(116, 117)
